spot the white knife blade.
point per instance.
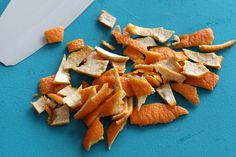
(23, 23)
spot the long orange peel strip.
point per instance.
(213, 48)
(156, 113)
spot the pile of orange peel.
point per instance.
(120, 95)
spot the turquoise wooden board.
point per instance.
(209, 129)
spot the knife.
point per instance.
(23, 22)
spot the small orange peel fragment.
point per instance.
(108, 45)
(134, 55)
(140, 86)
(166, 93)
(110, 56)
(47, 85)
(93, 135)
(75, 45)
(112, 132)
(187, 91)
(61, 116)
(169, 75)
(127, 41)
(54, 35)
(56, 98)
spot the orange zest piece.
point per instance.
(92, 103)
(127, 41)
(156, 113)
(112, 132)
(141, 87)
(152, 57)
(180, 56)
(93, 135)
(187, 91)
(126, 86)
(165, 52)
(112, 105)
(134, 55)
(122, 112)
(128, 112)
(207, 81)
(153, 78)
(56, 98)
(75, 45)
(88, 120)
(201, 37)
(47, 85)
(121, 66)
(213, 48)
(105, 79)
(144, 67)
(54, 35)
(86, 93)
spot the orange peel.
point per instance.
(140, 86)
(207, 81)
(213, 48)
(62, 75)
(166, 93)
(108, 45)
(128, 112)
(151, 57)
(121, 66)
(39, 104)
(127, 41)
(60, 116)
(169, 75)
(147, 41)
(54, 35)
(47, 85)
(134, 55)
(144, 67)
(68, 90)
(93, 135)
(164, 51)
(187, 91)
(75, 45)
(170, 63)
(194, 69)
(76, 58)
(107, 19)
(208, 59)
(99, 67)
(112, 105)
(122, 111)
(92, 103)
(56, 98)
(203, 36)
(110, 56)
(159, 34)
(156, 113)
(112, 132)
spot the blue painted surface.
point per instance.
(3, 4)
(209, 129)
